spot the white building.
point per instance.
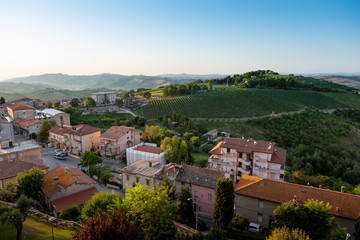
(104, 98)
(61, 118)
(145, 151)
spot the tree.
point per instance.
(101, 202)
(44, 130)
(285, 233)
(185, 211)
(16, 217)
(73, 213)
(90, 102)
(74, 102)
(216, 234)
(118, 102)
(195, 141)
(147, 95)
(90, 158)
(184, 151)
(114, 225)
(169, 187)
(2, 100)
(152, 211)
(141, 122)
(29, 183)
(357, 228)
(297, 215)
(117, 122)
(240, 222)
(8, 192)
(339, 233)
(49, 104)
(209, 86)
(224, 202)
(74, 114)
(57, 104)
(171, 148)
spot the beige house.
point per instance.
(10, 168)
(114, 142)
(59, 117)
(19, 111)
(75, 139)
(237, 156)
(257, 198)
(21, 149)
(65, 187)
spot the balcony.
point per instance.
(243, 161)
(220, 169)
(267, 169)
(258, 159)
(243, 171)
(113, 146)
(228, 154)
(219, 161)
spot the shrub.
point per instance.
(73, 213)
(240, 222)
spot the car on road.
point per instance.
(58, 151)
(254, 227)
(60, 156)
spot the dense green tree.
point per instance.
(285, 233)
(90, 102)
(8, 193)
(223, 211)
(44, 130)
(169, 187)
(185, 210)
(73, 213)
(241, 222)
(74, 102)
(296, 215)
(119, 102)
(49, 104)
(152, 211)
(209, 86)
(29, 183)
(117, 122)
(147, 95)
(195, 140)
(113, 225)
(101, 202)
(2, 100)
(75, 115)
(184, 152)
(57, 104)
(90, 158)
(339, 233)
(154, 134)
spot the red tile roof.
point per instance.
(10, 169)
(20, 107)
(79, 130)
(66, 176)
(216, 149)
(343, 204)
(29, 123)
(148, 149)
(116, 132)
(78, 199)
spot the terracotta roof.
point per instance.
(279, 156)
(20, 107)
(142, 168)
(343, 204)
(66, 176)
(78, 199)
(9, 169)
(148, 149)
(29, 123)
(80, 130)
(216, 149)
(116, 132)
(199, 176)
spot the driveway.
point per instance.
(48, 158)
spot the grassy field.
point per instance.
(198, 157)
(246, 103)
(104, 121)
(35, 229)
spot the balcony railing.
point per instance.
(113, 146)
(243, 161)
(228, 154)
(219, 161)
(243, 171)
(257, 158)
(267, 169)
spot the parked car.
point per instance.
(60, 156)
(254, 227)
(58, 151)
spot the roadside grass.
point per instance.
(35, 229)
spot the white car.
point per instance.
(254, 227)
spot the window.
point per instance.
(13, 156)
(137, 179)
(281, 176)
(259, 218)
(21, 154)
(147, 182)
(209, 196)
(196, 193)
(228, 150)
(127, 177)
(261, 203)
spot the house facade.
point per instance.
(257, 198)
(75, 139)
(21, 149)
(59, 117)
(114, 142)
(19, 111)
(6, 134)
(63, 188)
(238, 156)
(104, 98)
(145, 151)
(27, 128)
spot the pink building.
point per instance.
(115, 141)
(202, 183)
(238, 156)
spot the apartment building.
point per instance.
(114, 142)
(75, 139)
(19, 111)
(238, 156)
(104, 98)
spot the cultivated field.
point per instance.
(246, 103)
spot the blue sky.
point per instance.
(197, 37)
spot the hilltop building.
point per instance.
(238, 156)
(104, 98)
(19, 111)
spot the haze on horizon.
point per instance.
(180, 36)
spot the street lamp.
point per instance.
(347, 236)
(196, 213)
(52, 228)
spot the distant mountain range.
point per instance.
(59, 86)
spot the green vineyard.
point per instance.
(246, 103)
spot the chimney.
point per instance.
(342, 189)
(56, 180)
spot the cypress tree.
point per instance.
(224, 202)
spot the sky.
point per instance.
(153, 37)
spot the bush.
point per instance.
(240, 222)
(207, 147)
(73, 213)
(285, 233)
(202, 225)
